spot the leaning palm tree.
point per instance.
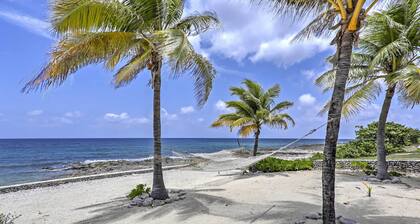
(141, 34)
(389, 49)
(254, 109)
(345, 18)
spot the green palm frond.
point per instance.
(254, 109)
(77, 51)
(322, 25)
(129, 31)
(281, 106)
(129, 71)
(409, 85)
(88, 15)
(198, 23)
(247, 130)
(296, 9)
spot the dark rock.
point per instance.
(395, 180)
(374, 179)
(342, 220)
(137, 201)
(314, 216)
(147, 202)
(144, 195)
(386, 181)
(157, 203)
(175, 191)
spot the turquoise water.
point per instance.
(23, 160)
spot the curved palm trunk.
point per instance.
(257, 138)
(159, 190)
(344, 48)
(381, 165)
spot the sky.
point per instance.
(252, 43)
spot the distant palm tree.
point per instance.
(254, 109)
(142, 34)
(344, 18)
(389, 49)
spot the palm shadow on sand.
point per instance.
(202, 202)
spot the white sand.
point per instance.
(214, 198)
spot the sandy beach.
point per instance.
(212, 197)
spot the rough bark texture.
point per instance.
(257, 138)
(344, 47)
(382, 167)
(158, 190)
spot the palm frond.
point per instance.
(88, 15)
(77, 51)
(198, 23)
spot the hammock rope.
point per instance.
(245, 163)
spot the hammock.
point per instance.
(231, 164)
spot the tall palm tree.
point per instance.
(141, 34)
(389, 49)
(344, 17)
(254, 109)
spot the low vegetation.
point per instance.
(363, 166)
(7, 218)
(138, 190)
(272, 164)
(369, 189)
(397, 136)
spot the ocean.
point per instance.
(23, 160)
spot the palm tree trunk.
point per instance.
(344, 48)
(257, 138)
(159, 190)
(381, 165)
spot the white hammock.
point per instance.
(230, 164)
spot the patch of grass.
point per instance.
(278, 165)
(138, 190)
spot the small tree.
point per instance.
(254, 109)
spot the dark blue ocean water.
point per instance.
(22, 160)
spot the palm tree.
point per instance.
(142, 34)
(388, 51)
(345, 17)
(254, 109)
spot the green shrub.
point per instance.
(364, 166)
(395, 174)
(317, 156)
(138, 190)
(396, 137)
(278, 165)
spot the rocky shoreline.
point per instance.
(83, 169)
(92, 168)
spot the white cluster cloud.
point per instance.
(35, 113)
(283, 52)
(124, 118)
(187, 110)
(309, 74)
(254, 33)
(307, 99)
(168, 116)
(48, 120)
(73, 114)
(30, 23)
(221, 107)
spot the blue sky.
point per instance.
(252, 43)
